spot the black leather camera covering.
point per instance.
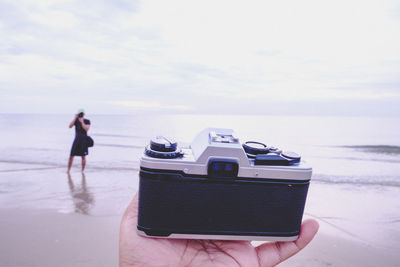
(173, 202)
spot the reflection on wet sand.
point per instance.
(82, 198)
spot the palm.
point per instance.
(141, 251)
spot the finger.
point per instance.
(270, 254)
(129, 220)
(132, 210)
(127, 234)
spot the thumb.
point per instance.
(270, 254)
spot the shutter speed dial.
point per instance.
(269, 155)
(255, 148)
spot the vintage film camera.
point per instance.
(221, 189)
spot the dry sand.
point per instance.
(50, 219)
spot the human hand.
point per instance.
(135, 250)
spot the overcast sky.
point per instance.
(252, 57)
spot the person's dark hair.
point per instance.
(80, 115)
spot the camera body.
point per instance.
(221, 189)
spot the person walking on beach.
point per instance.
(80, 145)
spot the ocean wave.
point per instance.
(36, 165)
(29, 169)
(45, 165)
(50, 165)
(365, 159)
(116, 135)
(118, 145)
(385, 180)
(364, 180)
(41, 149)
(382, 149)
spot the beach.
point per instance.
(75, 224)
(50, 218)
(37, 230)
(299, 103)
(359, 226)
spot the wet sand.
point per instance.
(48, 238)
(51, 219)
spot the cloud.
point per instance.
(197, 55)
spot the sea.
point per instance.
(352, 150)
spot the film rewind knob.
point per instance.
(161, 147)
(162, 144)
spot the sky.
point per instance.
(307, 57)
